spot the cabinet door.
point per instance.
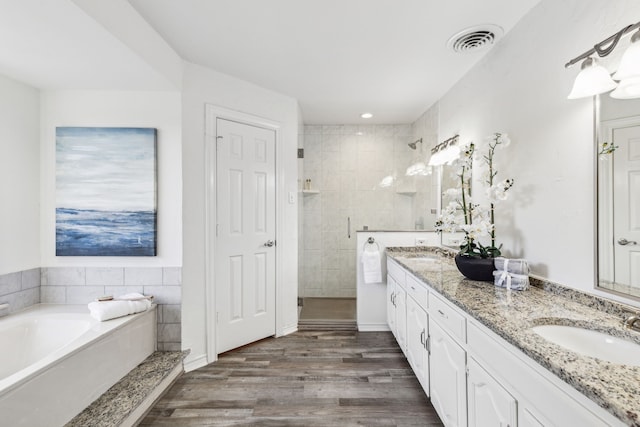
(400, 301)
(489, 402)
(391, 308)
(448, 377)
(417, 333)
(527, 419)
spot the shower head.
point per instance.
(413, 145)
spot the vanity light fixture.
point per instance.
(630, 63)
(445, 153)
(594, 79)
(366, 115)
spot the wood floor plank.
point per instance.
(321, 378)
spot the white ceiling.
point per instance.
(53, 44)
(338, 58)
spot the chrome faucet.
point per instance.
(633, 322)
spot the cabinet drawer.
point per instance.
(418, 291)
(398, 273)
(447, 316)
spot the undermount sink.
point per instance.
(591, 343)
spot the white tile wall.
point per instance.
(346, 164)
(80, 285)
(20, 290)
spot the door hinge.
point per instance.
(301, 153)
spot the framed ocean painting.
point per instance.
(106, 191)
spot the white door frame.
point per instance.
(212, 113)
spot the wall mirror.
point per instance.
(618, 195)
(447, 178)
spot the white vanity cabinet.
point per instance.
(417, 336)
(391, 308)
(489, 403)
(448, 361)
(448, 377)
(397, 303)
(473, 376)
(542, 398)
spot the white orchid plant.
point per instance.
(463, 214)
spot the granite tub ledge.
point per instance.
(511, 314)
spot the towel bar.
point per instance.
(370, 241)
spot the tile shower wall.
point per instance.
(80, 285)
(426, 202)
(358, 173)
(20, 290)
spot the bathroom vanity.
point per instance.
(473, 349)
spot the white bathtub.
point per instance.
(56, 359)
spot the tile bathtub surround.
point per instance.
(81, 285)
(348, 166)
(20, 290)
(511, 314)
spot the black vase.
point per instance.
(480, 269)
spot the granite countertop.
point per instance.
(511, 314)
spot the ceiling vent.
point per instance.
(475, 39)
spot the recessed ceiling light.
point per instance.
(366, 115)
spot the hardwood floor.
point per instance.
(321, 378)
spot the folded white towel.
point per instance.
(371, 267)
(504, 279)
(516, 266)
(121, 306)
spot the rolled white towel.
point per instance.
(121, 306)
(515, 266)
(371, 267)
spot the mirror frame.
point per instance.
(597, 129)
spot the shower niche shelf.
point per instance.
(406, 192)
(310, 192)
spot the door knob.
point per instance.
(269, 243)
(625, 242)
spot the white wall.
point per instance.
(161, 110)
(521, 88)
(19, 176)
(203, 86)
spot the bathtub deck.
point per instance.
(121, 404)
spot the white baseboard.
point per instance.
(373, 327)
(195, 362)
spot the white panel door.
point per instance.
(489, 403)
(626, 201)
(417, 334)
(448, 377)
(400, 301)
(391, 307)
(245, 229)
